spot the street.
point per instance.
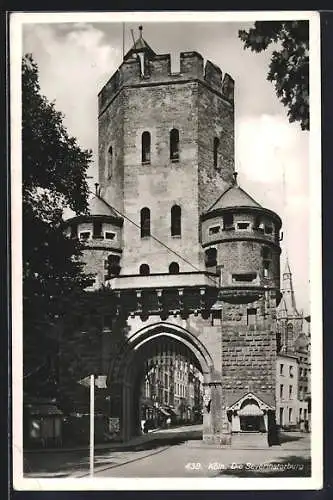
(176, 452)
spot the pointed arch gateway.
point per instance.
(131, 362)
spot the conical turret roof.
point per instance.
(234, 196)
(97, 206)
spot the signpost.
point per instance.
(100, 382)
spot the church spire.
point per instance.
(288, 290)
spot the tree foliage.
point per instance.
(289, 65)
(53, 177)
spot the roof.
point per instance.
(234, 196)
(98, 206)
(140, 45)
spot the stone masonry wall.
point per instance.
(162, 183)
(249, 352)
(216, 119)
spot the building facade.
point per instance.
(294, 350)
(192, 259)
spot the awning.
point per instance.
(162, 410)
(250, 410)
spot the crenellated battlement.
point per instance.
(157, 69)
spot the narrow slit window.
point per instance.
(176, 214)
(174, 144)
(113, 265)
(145, 156)
(110, 162)
(145, 222)
(228, 221)
(97, 228)
(268, 229)
(216, 151)
(244, 277)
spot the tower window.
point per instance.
(145, 147)
(251, 316)
(97, 229)
(268, 229)
(174, 268)
(109, 162)
(214, 230)
(176, 213)
(174, 144)
(112, 265)
(243, 226)
(210, 257)
(281, 369)
(266, 268)
(84, 235)
(228, 221)
(281, 391)
(144, 270)
(216, 149)
(145, 222)
(108, 235)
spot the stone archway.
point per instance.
(133, 357)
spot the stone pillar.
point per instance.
(216, 428)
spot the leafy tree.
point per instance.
(289, 65)
(53, 178)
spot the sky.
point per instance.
(75, 60)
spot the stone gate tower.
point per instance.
(197, 257)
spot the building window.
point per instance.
(109, 165)
(108, 235)
(176, 216)
(300, 413)
(243, 226)
(216, 149)
(144, 270)
(97, 229)
(145, 147)
(211, 257)
(290, 391)
(251, 317)
(281, 391)
(281, 416)
(281, 369)
(290, 414)
(268, 229)
(145, 222)
(214, 230)
(174, 268)
(112, 265)
(228, 222)
(84, 235)
(291, 371)
(174, 144)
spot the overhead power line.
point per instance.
(153, 237)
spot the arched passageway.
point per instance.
(162, 374)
